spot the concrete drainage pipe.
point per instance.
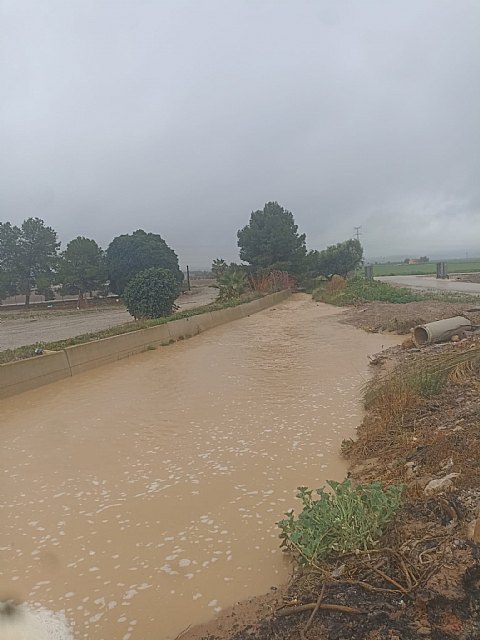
(440, 331)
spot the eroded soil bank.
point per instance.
(142, 497)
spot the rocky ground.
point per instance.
(423, 580)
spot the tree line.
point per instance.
(31, 261)
(271, 241)
(270, 245)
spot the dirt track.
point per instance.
(18, 329)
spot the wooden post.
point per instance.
(188, 279)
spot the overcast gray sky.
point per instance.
(182, 117)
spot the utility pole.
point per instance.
(188, 279)
(357, 232)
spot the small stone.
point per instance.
(419, 483)
(440, 484)
(474, 531)
(365, 466)
(447, 464)
(424, 631)
(409, 469)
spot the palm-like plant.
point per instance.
(232, 283)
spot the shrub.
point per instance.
(351, 517)
(151, 293)
(357, 290)
(336, 284)
(266, 281)
(232, 283)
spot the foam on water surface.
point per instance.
(29, 622)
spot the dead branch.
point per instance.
(364, 585)
(182, 633)
(288, 611)
(310, 620)
(391, 580)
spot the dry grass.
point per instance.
(427, 410)
(336, 284)
(409, 383)
(390, 396)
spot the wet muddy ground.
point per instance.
(142, 497)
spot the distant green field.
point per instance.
(453, 266)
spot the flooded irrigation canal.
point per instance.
(142, 496)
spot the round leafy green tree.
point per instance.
(128, 255)
(151, 293)
(82, 268)
(339, 259)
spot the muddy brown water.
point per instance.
(142, 497)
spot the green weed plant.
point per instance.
(348, 518)
(359, 290)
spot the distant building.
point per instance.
(421, 260)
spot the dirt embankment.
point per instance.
(466, 277)
(423, 580)
(400, 318)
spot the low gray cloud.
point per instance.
(181, 117)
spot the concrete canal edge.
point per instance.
(23, 375)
